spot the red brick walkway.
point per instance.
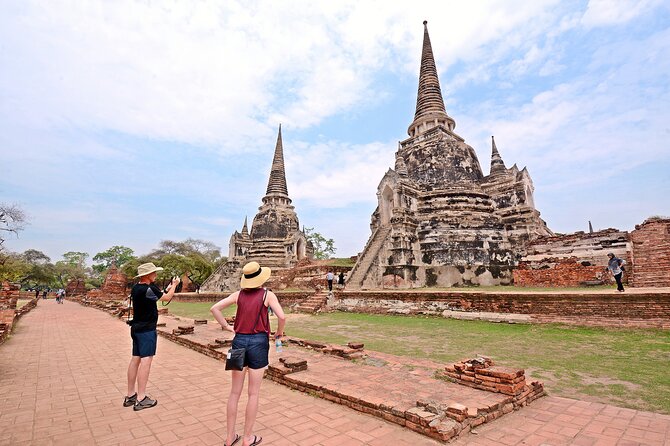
(62, 381)
(562, 421)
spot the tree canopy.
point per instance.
(118, 255)
(323, 248)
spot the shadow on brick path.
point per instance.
(62, 381)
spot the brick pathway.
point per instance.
(62, 378)
(562, 421)
(62, 381)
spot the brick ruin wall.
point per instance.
(286, 298)
(651, 253)
(75, 287)
(573, 260)
(114, 286)
(9, 314)
(644, 310)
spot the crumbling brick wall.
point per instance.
(553, 272)
(572, 259)
(651, 253)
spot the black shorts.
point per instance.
(257, 348)
(144, 343)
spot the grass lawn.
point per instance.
(517, 289)
(196, 310)
(626, 368)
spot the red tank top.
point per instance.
(249, 304)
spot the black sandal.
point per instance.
(237, 438)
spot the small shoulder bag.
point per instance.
(235, 357)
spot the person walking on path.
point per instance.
(329, 278)
(616, 266)
(252, 332)
(44, 294)
(340, 280)
(37, 293)
(144, 296)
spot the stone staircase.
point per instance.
(370, 253)
(313, 303)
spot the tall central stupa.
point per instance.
(275, 239)
(439, 220)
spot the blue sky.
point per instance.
(130, 123)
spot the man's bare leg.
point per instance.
(132, 374)
(143, 376)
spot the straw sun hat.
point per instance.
(253, 275)
(147, 268)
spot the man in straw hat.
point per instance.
(144, 295)
(252, 332)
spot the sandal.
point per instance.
(257, 440)
(237, 438)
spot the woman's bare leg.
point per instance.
(255, 380)
(233, 399)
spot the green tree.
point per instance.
(13, 268)
(323, 248)
(116, 254)
(41, 271)
(196, 258)
(73, 266)
(208, 250)
(75, 258)
(35, 257)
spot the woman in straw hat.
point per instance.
(252, 332)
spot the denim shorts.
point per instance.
(257, 348)
(144, 343)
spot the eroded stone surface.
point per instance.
(439, 220)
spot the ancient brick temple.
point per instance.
(439, 220)
(115, 284)
(275, 239)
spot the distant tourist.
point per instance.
(44, 294)
(329, 278)
(37, 293)
(340, 280)
(252, 332)
(616, 266)
(144, 295)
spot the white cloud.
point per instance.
(613, 116)
(224, 73)
(615, 12)
(336, 174)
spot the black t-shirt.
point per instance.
(145, 310)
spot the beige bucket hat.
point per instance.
(253, 275)
(147, 268)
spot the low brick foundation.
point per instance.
(439, 420)
(286, 298)
(640, 310)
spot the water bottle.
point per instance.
(278, 346)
